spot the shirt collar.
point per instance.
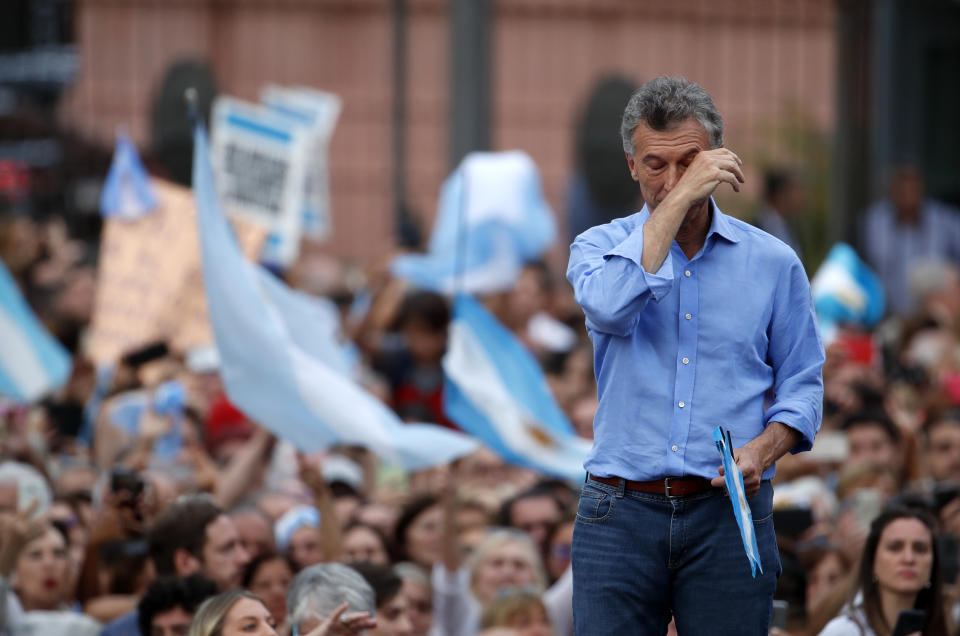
(720, 224)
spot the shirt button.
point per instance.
(687, 273)
(674, 448)
(686, 360)
(682, 404)
(688, 316)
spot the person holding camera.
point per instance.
(898, 589)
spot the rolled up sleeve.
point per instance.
(609, 281)
(797, 356)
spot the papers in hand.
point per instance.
(738, 498)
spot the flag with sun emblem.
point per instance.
(494, 390)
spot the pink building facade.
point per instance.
(766, 62)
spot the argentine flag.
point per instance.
(274, 378)
(497, 198)
(733, 479)
(494, 390)
(846, 291)
(127, 193)
(32, 362)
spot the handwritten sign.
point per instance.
(150, 285)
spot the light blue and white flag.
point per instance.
(497, 199)
(127, 192)
(32, 362)
(733, 479)
(494, 390)
(489, 261)
(271, 377)
(846, 292)
(313, 323)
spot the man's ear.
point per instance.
(185, 563)
(632, 165)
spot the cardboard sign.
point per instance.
(260, 157)
(149, 284)
(317, 112)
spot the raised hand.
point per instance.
(706, 172)
(340, 624)
(16, 531)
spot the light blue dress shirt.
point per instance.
(727, 338)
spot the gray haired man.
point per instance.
(328, 591)
(698, 320)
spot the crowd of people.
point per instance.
(138, 500)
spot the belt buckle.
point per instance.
(666, 487)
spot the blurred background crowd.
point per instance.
(136, 491)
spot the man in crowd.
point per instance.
(170, 603)
(783, 200)
(903, 230)
(534, 511)
(191, 536)
(319, 590)
(393, 607)
(696, 320)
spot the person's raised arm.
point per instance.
(330, 532)
(237, 477)
(616, 269)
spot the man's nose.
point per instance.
(673, 176)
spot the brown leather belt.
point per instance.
(669, 486)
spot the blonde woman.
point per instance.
(243, 613)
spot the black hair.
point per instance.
(413, 509)
(381, 537)
(256, 562)
(168, 593)
(874, 416)
(775, 181)
(505, 516)
(430, 308)
(385, 582)
(181, 526)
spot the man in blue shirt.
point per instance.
(697, 320)
(901, 232)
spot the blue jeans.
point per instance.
(639, 559)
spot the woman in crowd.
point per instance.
(506, 559)
(899, 570)
(418, 535)
(233, 613)
(419, 594)
(521, 611)
(34, 580)
(297, 534)
(41, 573)
(363, 543)
(242, 613)
(268, 576)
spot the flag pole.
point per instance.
(461, 256)
(191, 98)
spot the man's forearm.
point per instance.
(659, 232)
(774, 442)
